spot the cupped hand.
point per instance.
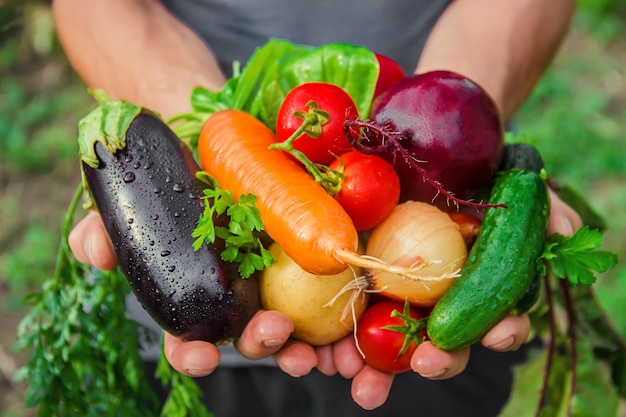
(265, 335)
(268, 332)
(370, 388)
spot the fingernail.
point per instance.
(274, 342)
(435, 374)
(567, 229)
(87, 249)
(504, 344)
(198, 372)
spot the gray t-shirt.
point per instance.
(232, 29)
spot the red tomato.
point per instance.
(381, 347)
(329, 98)
(370, 190)
(390, 73)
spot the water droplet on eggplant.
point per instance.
(129, 177)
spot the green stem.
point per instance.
(187, 130)
(195, 116)
(312, 122)
(64, 255)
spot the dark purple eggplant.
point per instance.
(141, 178)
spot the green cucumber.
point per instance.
(521, 155)
(500, 266)
(530, 297)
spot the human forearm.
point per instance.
(504, 46)
(135, 50)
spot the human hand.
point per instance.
(370, 387)
(266, 333)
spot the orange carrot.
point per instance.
(306, 222)
(309, 225)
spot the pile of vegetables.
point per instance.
(358, 200)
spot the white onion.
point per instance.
(421, 236)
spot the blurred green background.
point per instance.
(577, 116)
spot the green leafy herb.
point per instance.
(593, 395)
(577, 256)
(272, 71)
(242, 240)
(84, 353)
(580, 368)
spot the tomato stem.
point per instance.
(412, 329)
(312, 122)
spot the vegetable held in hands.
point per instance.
(315, 113)
(389, 73)
(420, 236)
(501, 265)
(142, 180)
(443, 133)
(298, 214)
(370, 188)
(388, 334)
(323, 308)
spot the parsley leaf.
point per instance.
(576, 257)
(205, 231)
(83, 351)
(241, 235)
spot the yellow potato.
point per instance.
(308, 299)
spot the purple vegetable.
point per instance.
(443, 133)
(142, 181)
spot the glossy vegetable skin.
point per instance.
(501, 265)
(523, 156)
(389, 73)
(149, 200)
(328, 138)
(370, 189)
(383, 348)
(424, 239)
(450, 126)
